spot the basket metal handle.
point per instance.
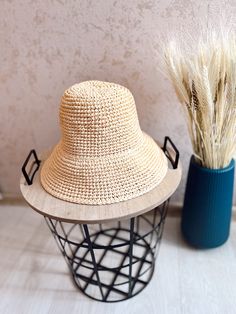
(174, 161)
(30, 176)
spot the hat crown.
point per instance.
(98, 118)
(103, 156)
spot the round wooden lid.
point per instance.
(50, 206)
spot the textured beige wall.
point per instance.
(46, 46)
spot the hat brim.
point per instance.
(104, 180)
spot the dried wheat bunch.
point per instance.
(205, 83)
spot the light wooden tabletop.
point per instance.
(52, 207)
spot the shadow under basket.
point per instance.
(207, 209)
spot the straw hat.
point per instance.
(103, 157)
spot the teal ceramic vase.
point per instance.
(207, 209)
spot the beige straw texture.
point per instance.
(103, 156)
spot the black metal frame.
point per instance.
(30, 176)
(112, 262)
(174, 161)
(118, 269)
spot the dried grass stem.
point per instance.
(205, 83)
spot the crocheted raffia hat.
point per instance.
(103, 157)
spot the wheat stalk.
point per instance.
(205, 83)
